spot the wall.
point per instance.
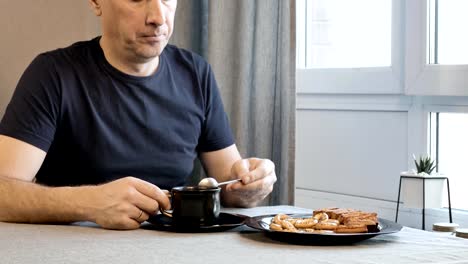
(31, 27)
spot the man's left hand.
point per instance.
(258, 177)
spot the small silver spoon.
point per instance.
(212, 183)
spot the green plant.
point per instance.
(424, 164)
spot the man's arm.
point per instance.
(258, 176)
(115, 205)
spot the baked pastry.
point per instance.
(331, 219)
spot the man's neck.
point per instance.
(127, 65)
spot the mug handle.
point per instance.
(167, 213)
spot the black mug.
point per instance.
(194, 206)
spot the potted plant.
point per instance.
(424, 165)
(412, 187)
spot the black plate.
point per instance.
(224, 222)
(263, 223)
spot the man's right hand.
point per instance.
(124, 203)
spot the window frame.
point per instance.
(371, 80)
(422, 78)
(458, 105)
(438, 108)
(418, 118)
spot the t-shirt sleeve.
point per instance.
(216, 132)
(31, 116)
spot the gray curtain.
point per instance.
(251, 47)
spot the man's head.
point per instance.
(138, 30)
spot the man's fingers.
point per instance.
(254, 192)
(255, 185)
(145, 187)
(143, 202)
(163, 199)
(128, 224)
(142, 217)
(263, 184)
(260, 169)
(153, 192)
(240, 169)
(139, 215)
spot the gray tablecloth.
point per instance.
(87, 243)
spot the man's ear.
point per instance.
(96, 6)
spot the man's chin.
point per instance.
(152, 52)
(149, 55)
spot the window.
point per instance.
(447, 42)
(350, 47)
(341, 34)
(440, 69)
(392, 55)
(449, 147)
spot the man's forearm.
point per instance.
(27, 202)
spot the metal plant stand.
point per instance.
(424, 196)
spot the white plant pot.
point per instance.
(412, 191)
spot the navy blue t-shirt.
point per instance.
(98, 124)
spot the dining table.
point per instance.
(85, 242)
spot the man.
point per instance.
(104, 125)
